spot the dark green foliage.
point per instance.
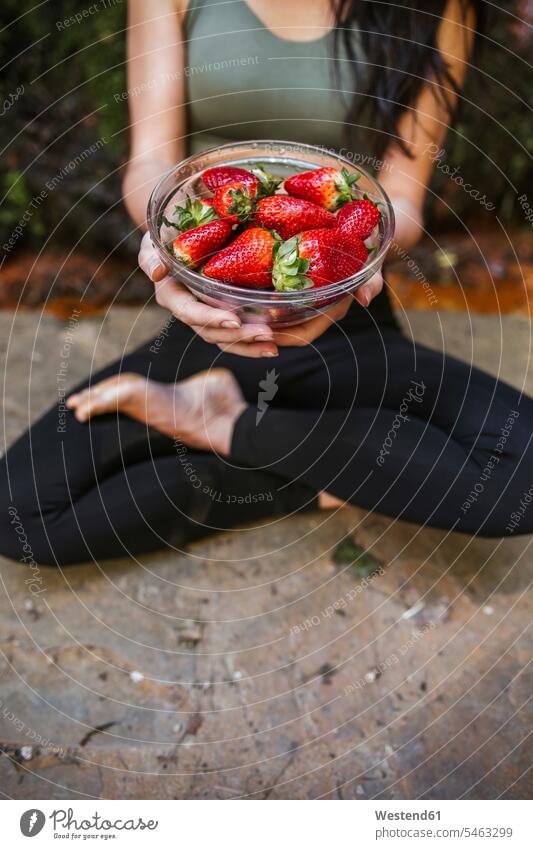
(74, 75)
(492, 142)
(65, 125)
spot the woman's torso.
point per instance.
(244, 82)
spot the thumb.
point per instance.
(366, 293)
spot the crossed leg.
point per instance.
(116, 485)
(370, 419)
(419, 435)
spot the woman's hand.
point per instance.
(308, 331)
(223, 327)
(217, 326)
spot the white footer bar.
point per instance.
(267, 825)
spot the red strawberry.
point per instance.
(326, 186)
(235, 201)
(194, 246)
(193, 214)
(247, 261)
(359, 217)
(289, 216)
(315, 258)
(213, 178)
(356, 246)
(265, 183)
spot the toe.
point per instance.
(76, 399)
(101, 398)
(93, 403)
(110, 395)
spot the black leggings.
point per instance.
(367, 416)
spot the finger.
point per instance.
(365, 294)
(250, 349)
(149, 260)
(308, 331)
(302, 334)
(176, 298)
(157, 271)
(247, 333)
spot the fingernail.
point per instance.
(154, 266)
(365, 295)
(263, 338)
(233, 325)
(269, 354)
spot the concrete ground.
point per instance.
(254, 665)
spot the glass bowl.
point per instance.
(278, 309)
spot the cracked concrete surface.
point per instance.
(224, 672)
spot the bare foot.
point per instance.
(200, 411)
(329, 502)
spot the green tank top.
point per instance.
(245, 82)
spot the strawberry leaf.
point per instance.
(345, 185)
(242, 204)
(267, 182)
(377, 203)
(289, 269)
(193, 214)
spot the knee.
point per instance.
(501, 527)
(491, 527)
(22, 534)
(510, 514)
(517, 518)
(10, 520)
(515, 508)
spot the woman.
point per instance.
(166, 444)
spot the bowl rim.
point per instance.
(266, 295)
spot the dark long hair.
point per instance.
(398, 41)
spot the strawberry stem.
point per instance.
(289, 269)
